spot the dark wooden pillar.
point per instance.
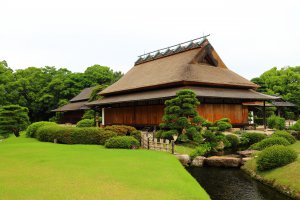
(264, 116)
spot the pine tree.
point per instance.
(13, 119)
(181, 117)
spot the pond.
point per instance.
(233, 184)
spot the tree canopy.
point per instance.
(284, 82)
(44, 89)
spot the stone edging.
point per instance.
(280, 188)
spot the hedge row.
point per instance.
(74, 135)
(32, 129)
(122, 142)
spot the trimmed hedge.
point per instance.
(275, 156)
(233, 140)
(296, 126)
(136, 134)
(251, 138)
(276, 122)
(74, 135)
(121, 130)
(122, 142)
(32, 129)
(270, 142)
(285, 135)
(86, 123)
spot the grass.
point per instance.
(34, 170)
(287, 176)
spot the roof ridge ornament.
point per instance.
(171, 50)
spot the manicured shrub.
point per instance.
(32, 128)
(275, 156)
(233, 140)
(122, 142)
(285, 135)
(276, 122)
(270, 142)
(201, 150)
(251, 138)
(74, 135)
(223, 124)
(136, 134)
(86, 123)
(121, 130)
(296, 126)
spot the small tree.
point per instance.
(181, 117)
(13, 119)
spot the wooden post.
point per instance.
(55, 141)
(264, 117)
(173, 145)
(148, 142)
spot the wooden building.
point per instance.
(138, 97)
(74, 110)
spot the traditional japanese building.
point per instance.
(138, 98)
(74, 110)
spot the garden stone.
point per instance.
(184, 159)
(244, 160)
(222, 161)
(198, 161)
(247, 153)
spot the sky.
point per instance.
(250, 36)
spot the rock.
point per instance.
(247, 153)
(198, 161)
(222, 161)
(184, 159)
(244, 160)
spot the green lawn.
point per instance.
(287, 176)
(34, 170)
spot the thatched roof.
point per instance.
(85, 94)
(72, 107)
(195, 66)
(208, 92)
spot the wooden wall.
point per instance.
(152, 114)
(71, 117)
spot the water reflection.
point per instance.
(232, 184)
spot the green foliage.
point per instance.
(181, 116)
(13, 119)
(296, 126)
(296, 134)
(32, 128)
(121, 130)
(248, 139)
(233, 140)
(291, 139)
(86, 123)
(136, 134)
(44, 89)
(275, 156)
(73, 135)
(223, 125)
(88, 114)
(201, 150)
(276, 122)
(214, 139)
(270, 142)
(122, 142)
(284, 82)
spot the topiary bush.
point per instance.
(270, 142)
(296, 126)
(285, 135)
(248, 139)
(32, 129)
(201, 150)
(223, 124)
(121, 130)
(74, 135)
(86, 123)
(122, 142)
(276, 122)
(136, 134)
(275, 156)
(233, 140)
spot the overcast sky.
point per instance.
(250, 36)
